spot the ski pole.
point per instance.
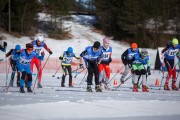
(79, 73)
(83, 78)
(56, 71)
(114, 76)
(6, 67)
(161, 80)
(11, 80)
(124, 82)
(7, 87)
(39, 71)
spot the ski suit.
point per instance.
(13, 59)
(139, 68)
(23, 65)
(169, 55)
(127, 59)
(92, 59)
(104, 65)
(37, 49)
(66, 60)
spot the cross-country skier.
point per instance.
(141, 61)
(170, 52)
(14, 53)
(93, 57)
(104, 65)
(3, 46)
(127, 59)
(66, 60)
(38, 45)
(23, 64)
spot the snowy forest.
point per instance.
(143, 21)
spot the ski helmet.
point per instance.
(134, 46)
(175, 41)
(29, 46)
(17, 47)
(70, 50)
(96, 44)
(105, 40)
(144, 52)
(40, 38)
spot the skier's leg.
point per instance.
(64, 71)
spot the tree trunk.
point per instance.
(9, 10)
(22, 20)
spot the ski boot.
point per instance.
(122, 80)
(166, 86)
(98, 88)
(11, 83)
(174, 85)
(106, 86)
(62, 85)
(22, 90)
(70, 85)
(18, 84)
(39, 85)
(89, 88)
(135, 89)
(144, 88)
(29, 89)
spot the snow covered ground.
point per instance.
(53, 102)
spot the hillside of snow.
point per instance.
(53, 102)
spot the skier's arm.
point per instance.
(9, 53)
(48, 49)
(123, 57)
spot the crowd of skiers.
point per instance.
(96, 59)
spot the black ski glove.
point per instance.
(5, 44)
(50, 52)
(81, 66)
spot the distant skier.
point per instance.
(170, 52)
(66, 60)
(104, 65)
(38, 45)
(14, 53)
(141, 67)
(3, 46)
(127, 59)
(23, 64)
(93, 56)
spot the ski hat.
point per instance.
(105, 40)
(17, 47)
(96, 44)
(40, 38)
(134, 46)
(144, 52)
(29, 46)
(70, 50)
(175, 41)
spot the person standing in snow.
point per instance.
(14, 53)
(139, 64)
(104, 65)
(66, 60)
(23, 65)
(127, 59)
(93, 56)
(170, 52)
(38, 45)
(3, 46)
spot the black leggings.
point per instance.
(65, 69)
(92, 68)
